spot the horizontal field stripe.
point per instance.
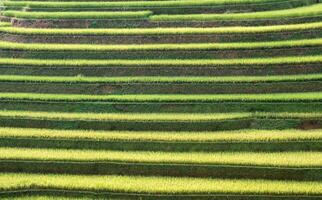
(170, 117)
(215, 1)
(132, 4)
(274, 97)
(279, 159)
(155, 47)
(161, 185)
(305, 11)
(36, 194)
(43, 197)
(78, 15)
(124, 116)
(222, 136)
(4, 24)
(164, 31)
(163, 62)
(160, 79)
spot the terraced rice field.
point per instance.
(161, 99)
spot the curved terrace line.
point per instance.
(163, 185)
(134, 4)
(312, 10)
(128, 136)
(164, 31)
(160, 79)
(155, 47)
(161, 62)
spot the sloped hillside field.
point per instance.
(161, 99)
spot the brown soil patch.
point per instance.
(108, 89)
(307, 125)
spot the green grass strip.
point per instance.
(267, 97)
(164, 31)
(162, 47)
(124, 116)
(305, 11)
(222, 136)
(131, 4)
(181, 117)
(5, 24)
(162, 62)
(160, 79)
(42, 197)
(280, 159)
(161, 185)
(78, 15)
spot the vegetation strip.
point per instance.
(223, 136)
(158, 185)
(165, 31)
(154, 117)
(4, 24)
(242, 144)
(160, 79)
(43, 197)
(273, 97)
(305, 11)
(280, 159)
(123, 116)
(162, 62)
(155, 47)
(308, 11)
(132, 4)
(40, 194)
(78, 15)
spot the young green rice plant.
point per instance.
(179, 117)
(164, 31)
(280, 159)
(313, 10)
(163, 47)
(306, 11)
(157, 185)
(124, 116)
(220, 136)
(130, 4)
(168, 98)
(78, 15)
(160, 79)
(163, 62)
(43, 197)
(5, 24)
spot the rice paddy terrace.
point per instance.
(161, 99)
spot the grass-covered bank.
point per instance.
(304, 9)
(78, 15)
(68, 163)
(277, 159)
(165, 31)
(165, 47)
(160, 121)
(166, 185)
(140, 4)
(162, 62)
(312, 10)
(223, 136)
(156, 79)
(228, 141)
(167, 98)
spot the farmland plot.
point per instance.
(160, 99)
